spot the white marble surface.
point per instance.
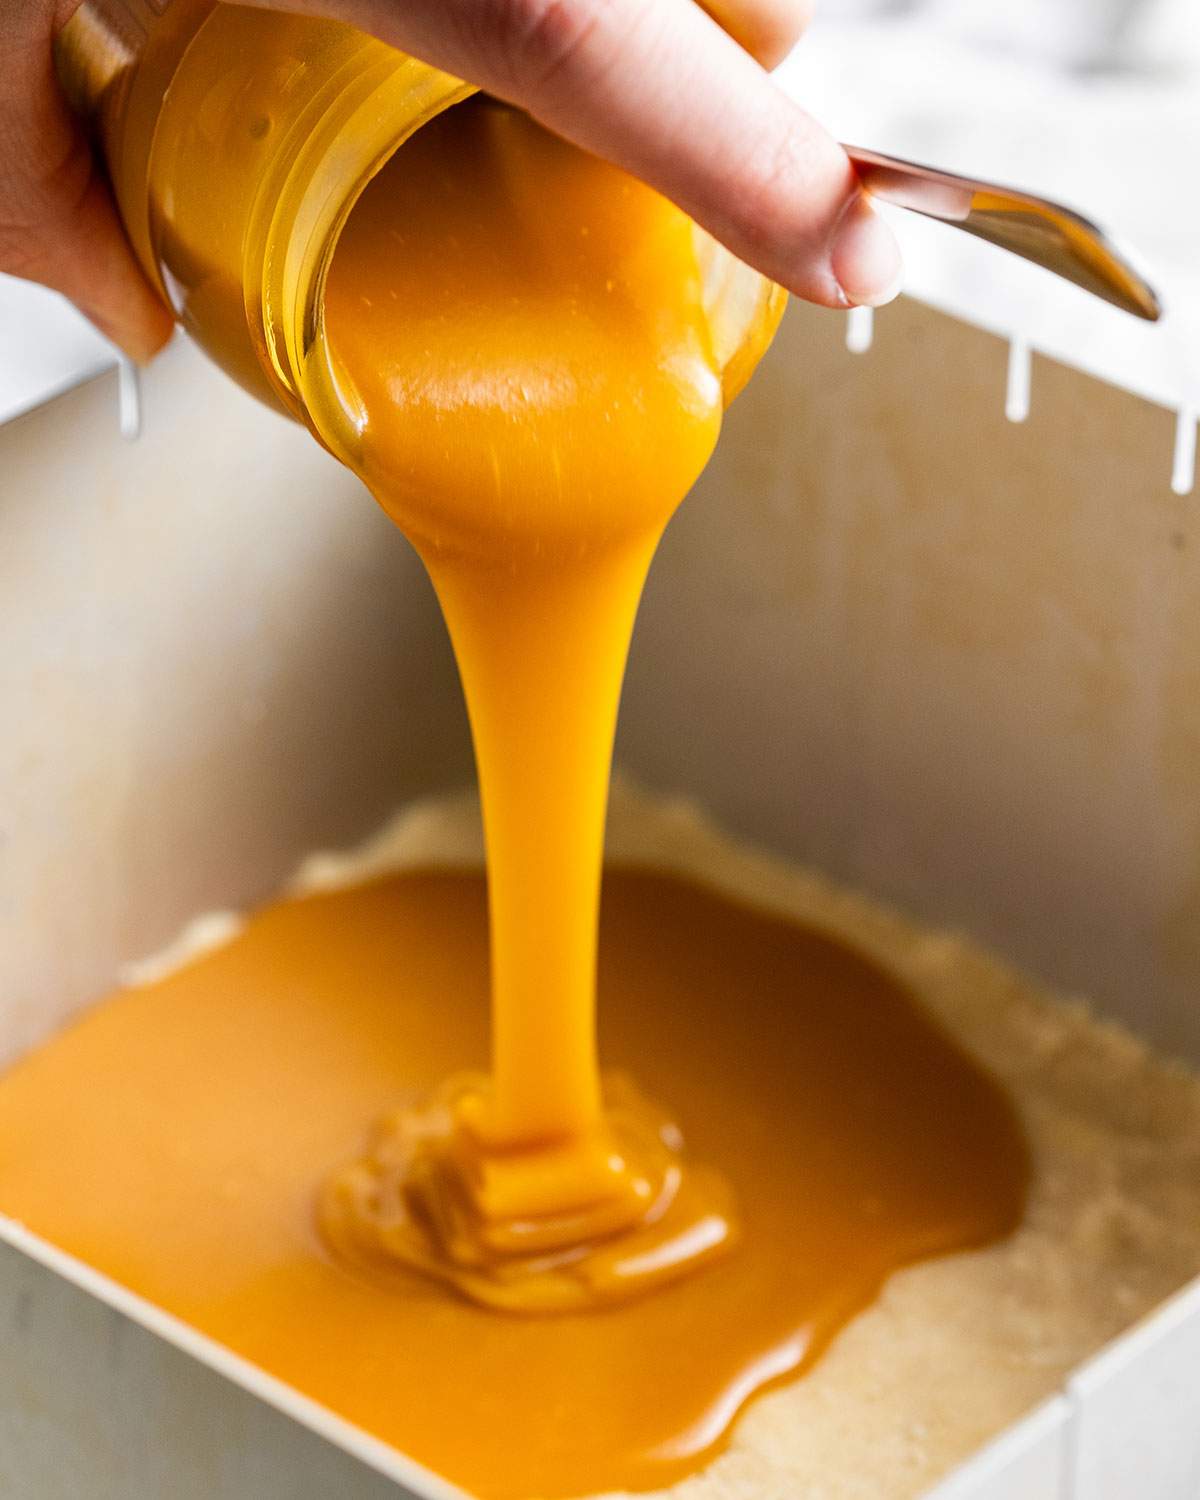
(45, 346)
(1121, 144)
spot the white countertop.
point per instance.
(45, 347)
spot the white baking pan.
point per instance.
(951, 659)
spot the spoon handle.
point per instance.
(1046, 233)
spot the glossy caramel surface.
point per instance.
(525, 337)
(173, 1138)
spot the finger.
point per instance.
(767, 29)
(58, 225)
(662, 91)
(83, 253)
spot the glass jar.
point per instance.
(237, 141)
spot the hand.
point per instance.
(58, 223)
(677, 94)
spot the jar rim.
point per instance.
(384, 101)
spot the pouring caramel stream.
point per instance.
(523, 331)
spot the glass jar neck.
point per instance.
(238, 141)
(390, 97)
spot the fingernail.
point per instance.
(865, 256)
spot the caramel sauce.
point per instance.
(173, 1137)
(523, 331)
(532, 381)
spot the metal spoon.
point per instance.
(1046, 233)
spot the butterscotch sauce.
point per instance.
(533, 382)
(522, 331)
(173, 1137)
